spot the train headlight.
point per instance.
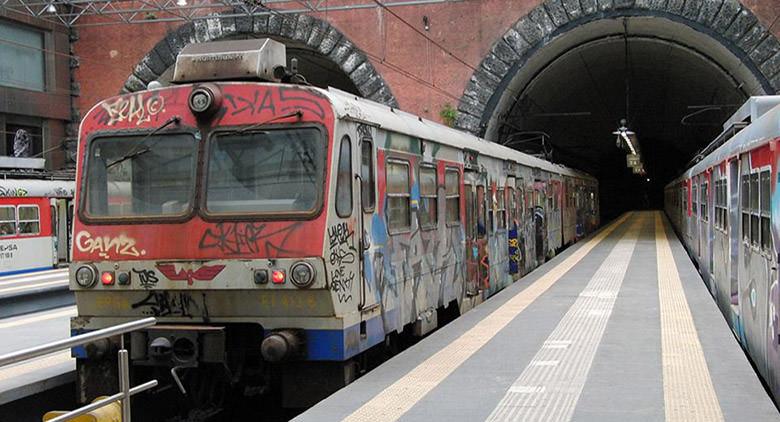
(205, 100)
(86, 276)
(302, 274)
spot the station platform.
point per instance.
(618, 327)
(35, 301)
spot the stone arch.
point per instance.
(303, 31)
(728, 22)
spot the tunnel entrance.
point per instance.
(562, 92)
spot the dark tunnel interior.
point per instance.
(677, 101)
(674, 98)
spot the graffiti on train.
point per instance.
(249, 238)
(106, 246)
(161, 303)
(133, 109)
(341, 243)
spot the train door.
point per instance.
(540, 226)
(62, 221)
(735, 235)
(366, 156)
(477, 264)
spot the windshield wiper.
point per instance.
(135, 152)
(297, 113)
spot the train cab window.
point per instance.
(7, 221)
(766, 233)
(29, 219)
(367, 184)
(271, 172)
(429, 216)
(398, 194)
(452, 190)
(754, 210)
(141, 176)
(344, 179)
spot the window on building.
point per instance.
(429, 216)
(7, 221)
(398, 210)
(764, 187)
(344, 179)
(23, 137)
(452, 189)
(29, 219)
(368, 186)
(22, 65)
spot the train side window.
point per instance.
(29, 219)
(695, 200)
(398, 194)
(344, 179)
(744, 194)
(766, 234)
(754, 210)
(511, 205)
(481, 226)
(704, 201)
(7, 221)
(452, 189)
(367, 184)
(429, 216)
(500, 208)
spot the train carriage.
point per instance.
(35, 222)
(725, 210)
(279, 231)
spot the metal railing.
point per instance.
(124, 365)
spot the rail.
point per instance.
(125, 392)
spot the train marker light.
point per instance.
(107, 278)
(86, 276)
(123, 278)
(302, 274)
(261, 276)
(277, 276)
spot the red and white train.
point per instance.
(280, 231)
(35, 224)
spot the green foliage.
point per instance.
(448, 115)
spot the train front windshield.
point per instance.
(273, 171)
(278, 172)
(141, 176)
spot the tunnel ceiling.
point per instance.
(579, 99)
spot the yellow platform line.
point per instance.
(398, 398)
(688, 391)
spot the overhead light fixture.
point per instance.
(51, 8)
(181, 2)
